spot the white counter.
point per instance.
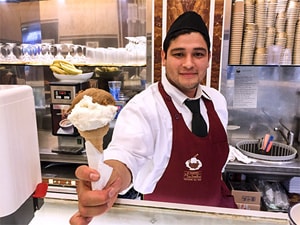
(137, 212)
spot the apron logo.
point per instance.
(193, 174)
(193, 163)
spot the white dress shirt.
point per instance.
(142, 137)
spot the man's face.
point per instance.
(186, 62)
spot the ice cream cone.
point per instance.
(95, 136)
(91, 112)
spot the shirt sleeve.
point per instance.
(142, 139)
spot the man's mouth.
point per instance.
(188, 74)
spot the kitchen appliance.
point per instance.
(20, 169)
(62, 95)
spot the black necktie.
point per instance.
(199, 126)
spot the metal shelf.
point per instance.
(47, 156)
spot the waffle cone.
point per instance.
(95, 136)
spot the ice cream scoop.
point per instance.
(91, 112)
(99, 96)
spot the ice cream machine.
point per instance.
(62, 95)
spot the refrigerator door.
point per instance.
(20, 170)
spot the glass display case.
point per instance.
(111, 39)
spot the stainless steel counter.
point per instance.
(289, 168)
(136, 212)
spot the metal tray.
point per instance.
(278, 152)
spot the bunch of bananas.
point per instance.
(107, 69)
(64, 67)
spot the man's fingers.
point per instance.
(89, 198)
(86, 173)
(93, 211)
(77, 219)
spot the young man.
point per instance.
(154, 147)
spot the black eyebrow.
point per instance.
(182, 49)
(201, 49)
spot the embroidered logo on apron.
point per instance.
(193, 163)
(193, 174)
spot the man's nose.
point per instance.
(188, 62)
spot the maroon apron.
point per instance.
(193, 174)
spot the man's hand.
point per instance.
(93, 202)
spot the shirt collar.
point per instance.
(177, 95)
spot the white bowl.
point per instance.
(294, 214)
(73, 78)
(65, 123)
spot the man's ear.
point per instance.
(209, 56)
(163, 57)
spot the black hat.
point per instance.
(189, 21)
